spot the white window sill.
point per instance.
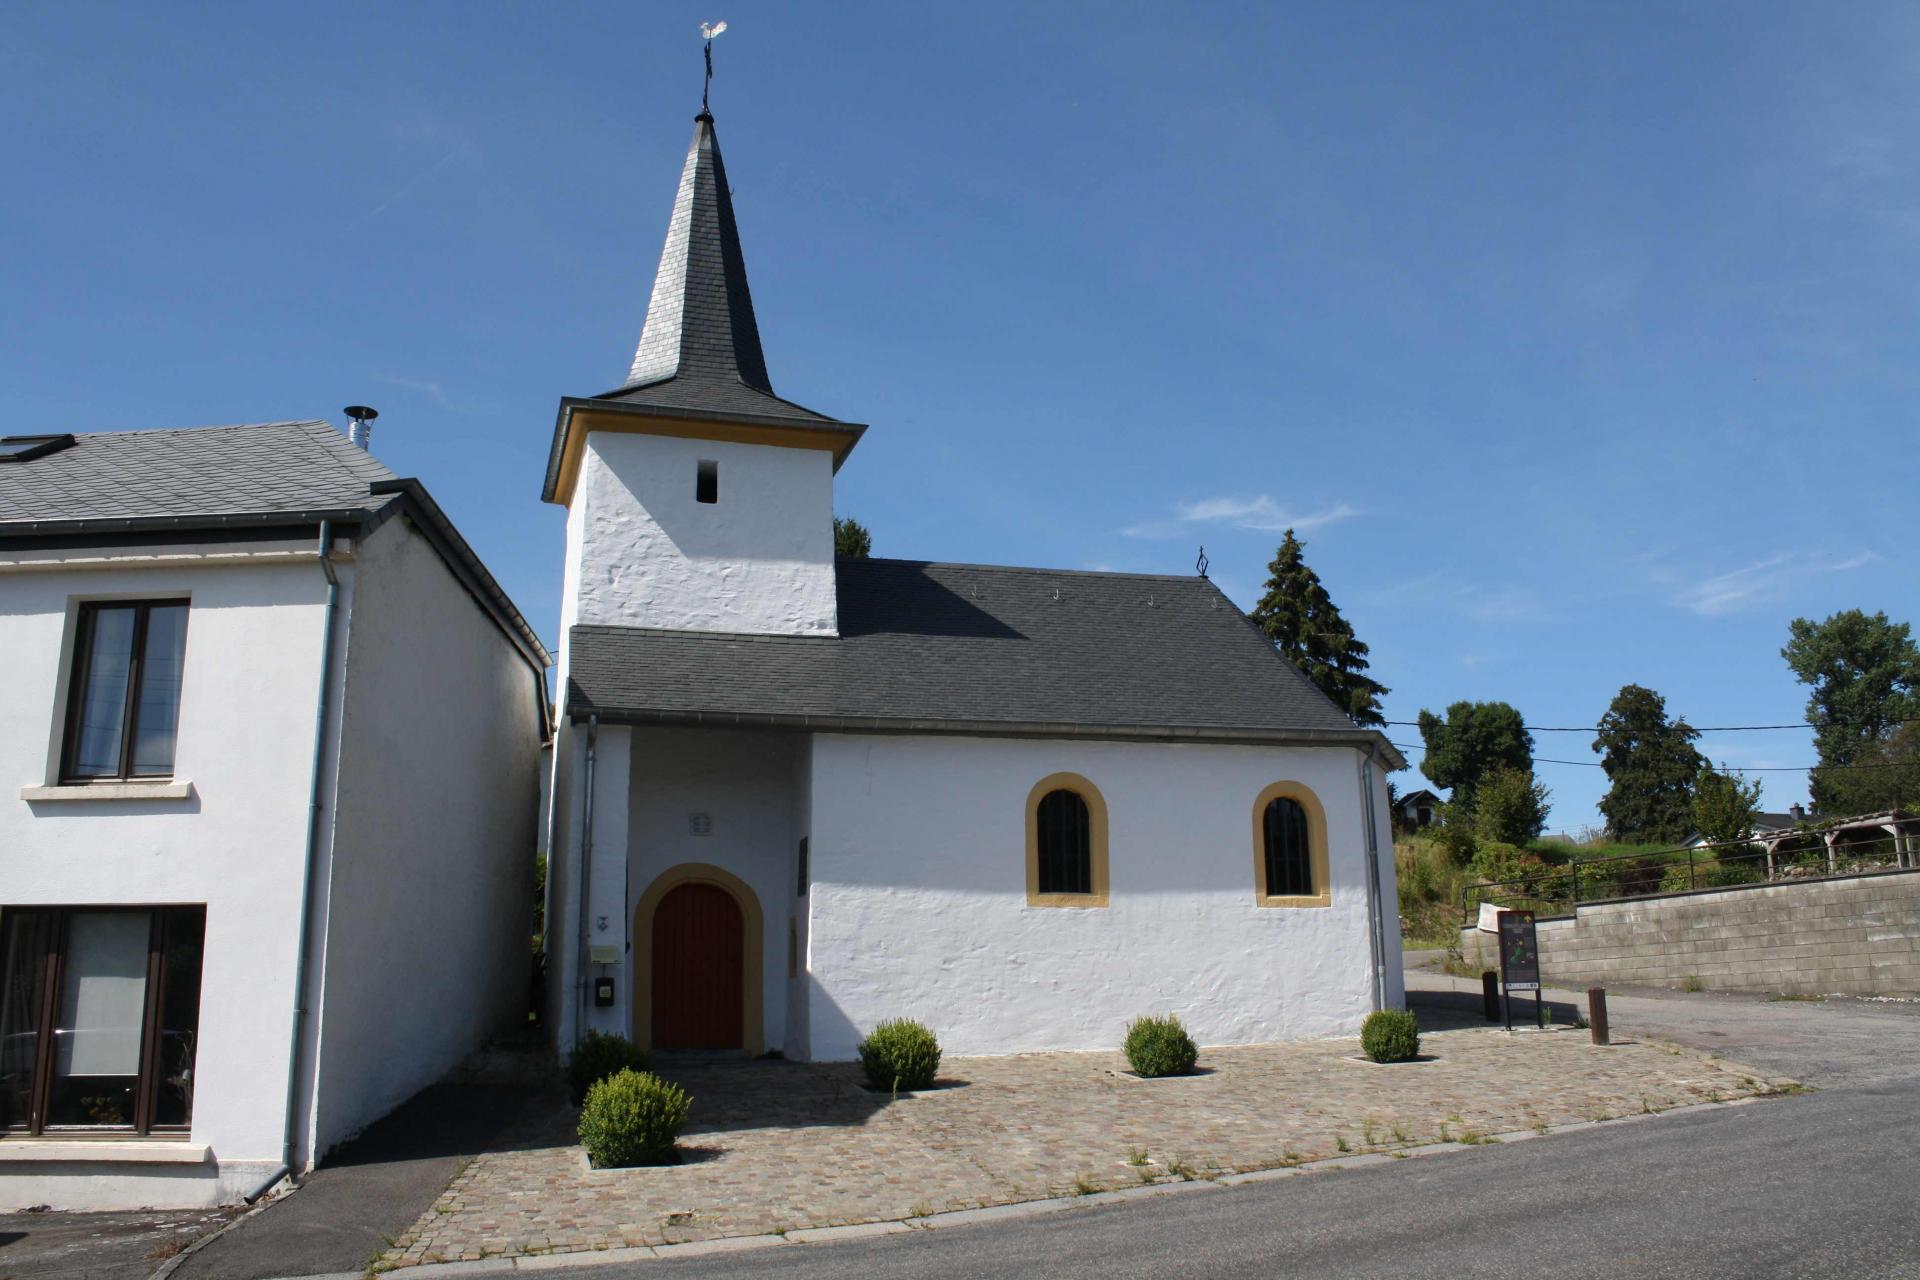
(103, 1151)
(112, 791)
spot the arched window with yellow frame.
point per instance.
(1066, 843)
(1290, 848)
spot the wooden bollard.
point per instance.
(1597, 1014)
(1490, 994)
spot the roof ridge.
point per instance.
(211, 427)
(1038, 570)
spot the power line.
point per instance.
(1756, 768)
(1715, 728)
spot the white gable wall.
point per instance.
(918, 904)
(642, 552)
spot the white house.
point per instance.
(795, 795)
(267, 834)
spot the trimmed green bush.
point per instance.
(1390, 1035)
(900, 1054)
(632, 1118)
(598, 1056)
(1160, 1047)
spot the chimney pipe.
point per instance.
(1798, 811)
(361, 432)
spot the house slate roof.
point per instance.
(927, 647)
(196, 472)
(1417, 797)
(196, 483)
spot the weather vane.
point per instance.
(1201, 564)
(708, 30)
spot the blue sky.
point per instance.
(1581, 342)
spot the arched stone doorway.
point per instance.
(698, 958)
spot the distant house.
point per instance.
(1418, 809)
(1764, 825)
(266, 848)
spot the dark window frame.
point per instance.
(53, 963)
(1289, 850)
(85, 623)
(1065, 870)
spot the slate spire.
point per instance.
(700, 325)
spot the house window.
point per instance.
(706, 482)
(1066, 843)
(124, 701)
(99, 1018)
(1290, 848)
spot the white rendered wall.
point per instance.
(918, 904)
(747, 783)
(245, 741)
(429, 888)
(641, 552)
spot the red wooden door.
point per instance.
(698, 986)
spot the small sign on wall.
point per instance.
(700, 824)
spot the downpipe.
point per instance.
(586, 885)
(1376, 935)
(322, 705)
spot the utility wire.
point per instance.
(1716, 728)
(1757, 768)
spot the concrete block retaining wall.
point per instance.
(1857, 935)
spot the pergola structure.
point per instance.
(1901, 825)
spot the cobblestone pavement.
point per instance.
(778, 1146)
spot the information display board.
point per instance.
(1519, 952)
(1520, 962)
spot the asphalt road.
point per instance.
(1822, 1184)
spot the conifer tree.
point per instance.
(1301, 621)
(851, 541)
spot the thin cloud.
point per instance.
(1261, 514)
(1761, 582)
(432, 390)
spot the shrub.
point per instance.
(900, 1054)
(1497, 862)
(1390, 1035)
(1510, 807)
(1454, 830)
(1160, 1047)
(598, 1056)
(632, 1118)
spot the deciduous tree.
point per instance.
(1509, 807)
(1724, 806)
(1475, 739)
(1652, 764)
(1864, 671)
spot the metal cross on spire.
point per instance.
(708, 30)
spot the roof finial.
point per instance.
(708, 30)
(1200, 565)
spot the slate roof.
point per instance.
(194, 482)
(973, 648)
(157, 476)
(700, 347)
